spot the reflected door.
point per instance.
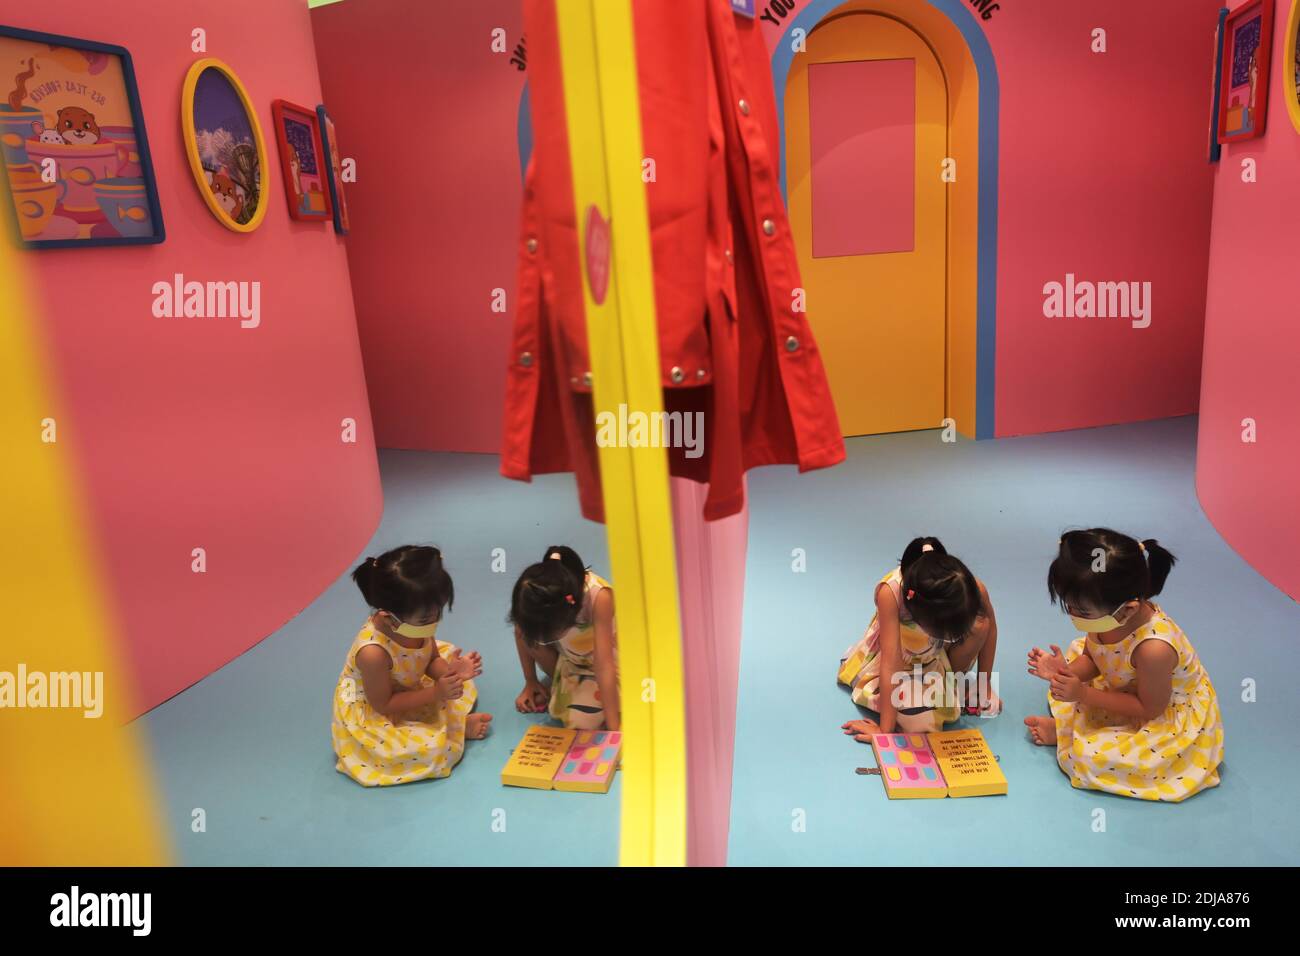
(866, 137)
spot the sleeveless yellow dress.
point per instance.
(1169, 758)
(575, 694)
(378, 752)
(924, 659)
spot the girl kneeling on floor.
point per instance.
(403, 701)
(1133, 711)
(563, 614)
(933, 621)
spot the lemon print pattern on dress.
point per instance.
(377, 751)
(575, 693)
(1169, 758)
(860, 664)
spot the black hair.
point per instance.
(939, 591)
(548, 595)
(1099, 569)
(405, 581)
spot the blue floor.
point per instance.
(250, 744)
(1001, 507)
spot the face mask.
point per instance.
(415, 631)
(1098, 625)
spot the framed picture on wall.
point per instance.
(1216, 82)
(76, 158)
(1291, 66)
(223, 142)
(331, 140)
(1243, 89)
(303, 162)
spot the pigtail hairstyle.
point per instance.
(1100, 569)
(406, 582)
(548, 596)
(939, 591)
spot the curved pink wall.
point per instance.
(196, 432)
(429, 112)
(1251, 491)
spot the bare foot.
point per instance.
(1043, 730)
(476, 726)
(861, 729)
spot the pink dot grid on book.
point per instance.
(592, 757)
(906, 761)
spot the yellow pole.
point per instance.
(602, 106)
(77, 789)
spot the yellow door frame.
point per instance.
(602, 109)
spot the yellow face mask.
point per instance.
(1098, 625)
(416, 632)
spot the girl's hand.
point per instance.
(533, 699)
(468, 666)
(991, 707)
(450, 685)
(861, 730)
(1044, 665)
(1066, 686)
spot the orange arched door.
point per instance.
(866, 137)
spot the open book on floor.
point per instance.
(950, 763)
(554, 758)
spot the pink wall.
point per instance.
(200, 433)
(711, 585)
(1103, 175)
(429, 112)
(1252, 346)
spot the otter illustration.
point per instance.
(230, 196)
(77, 126)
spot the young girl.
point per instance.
(563, 615)
(931, 614)
(403, 701)
(1133, 710)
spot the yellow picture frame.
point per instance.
(1289, 66)
(204, 177)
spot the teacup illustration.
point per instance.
(128, 151)
(23, 174)
(15, 131)
(81, 167)
(35, 204)
(126, 205)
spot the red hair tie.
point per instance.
(910, 594)
(569, 598)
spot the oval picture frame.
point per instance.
(1291, 67)
(204, 176)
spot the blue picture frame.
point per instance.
(106, 188)
(1216, 148)
(330, 147)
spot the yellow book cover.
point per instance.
(538, 756)
(967, 764)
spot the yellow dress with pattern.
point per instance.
(575, 694)
(1169, 758)
(377, 751)
(924, 661)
